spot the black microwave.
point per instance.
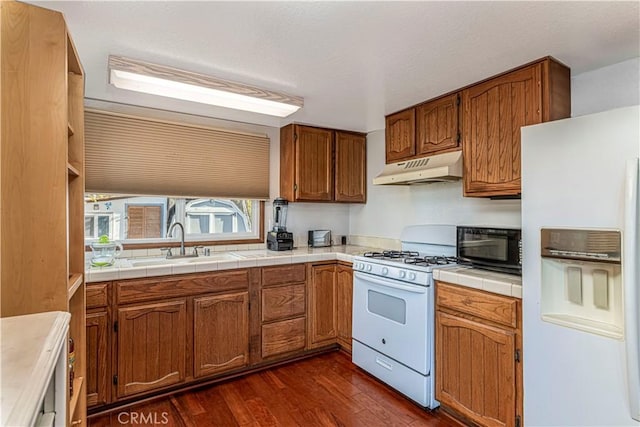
(498, 249)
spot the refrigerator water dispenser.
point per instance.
(582, 280)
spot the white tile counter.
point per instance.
(497, 283)
(31, 345)
(245, 259)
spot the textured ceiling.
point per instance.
(353, 62)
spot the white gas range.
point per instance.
(393, 310)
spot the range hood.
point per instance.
(439, 168)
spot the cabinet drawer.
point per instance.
(283, 301)
(283, 337)
(137, 290)
(283, 274)
(496, 308)
(96, 295)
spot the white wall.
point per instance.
(606, 88)
(390, 208)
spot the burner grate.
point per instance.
(391, 254)
(431, 260)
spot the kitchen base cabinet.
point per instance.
(98, 367)
(477, 355)
(151, 346)
(283, 310)
(322, 316)
(284, 337)
(344, 302)
(221, 333)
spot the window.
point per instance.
(147, 219)
(98, 224)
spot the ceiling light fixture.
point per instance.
(139, 76)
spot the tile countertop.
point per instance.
(497, 283)
(30, 348)
(246, 259)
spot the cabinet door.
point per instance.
(314, 164)
(351, 167)
(344, 302)
(322, 310)
(494, 112)
(400, 135)
(221, 333)
(437, 125)
(98, 357)
(151, 346)
(475, 370)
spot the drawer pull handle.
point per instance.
(384, 364)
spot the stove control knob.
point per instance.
(412, 276)
(402, 274)
(361, 266)
(385, 271)
(368, 267)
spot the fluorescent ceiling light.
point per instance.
(131, 74)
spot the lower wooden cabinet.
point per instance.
(151, 346)
(283, 337)
(344, 302)
(220, 333)
(477, 355)
(98, 357)
(284, 310)
(146, 335)
(322, 315)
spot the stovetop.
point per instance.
(412, 257)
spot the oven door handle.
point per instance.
(416, 289)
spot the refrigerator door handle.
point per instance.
(631, 276)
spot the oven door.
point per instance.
(391, 317)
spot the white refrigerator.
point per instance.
(581, 173)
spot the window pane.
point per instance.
(103, 225)
(147, 219)
(88, 227)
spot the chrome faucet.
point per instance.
(169, 233)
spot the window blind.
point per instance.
(141, 156)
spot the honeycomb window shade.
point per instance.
(141, 156)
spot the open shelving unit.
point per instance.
(42, 134)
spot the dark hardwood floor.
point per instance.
(326, 390)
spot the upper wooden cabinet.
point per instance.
(437, 126)
(494, 112)
(351, 167)
(484, 120)
(400, 135)
(316, 165)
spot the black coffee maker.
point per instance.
(279, 239)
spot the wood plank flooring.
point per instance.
(326, 390)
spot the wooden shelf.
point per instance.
(75, 280)
(78, 385)
(70, 130)
(72, 171)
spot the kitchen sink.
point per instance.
(149, 262)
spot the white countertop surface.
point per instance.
(245, 259)
(30, 347)
(497, 283)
